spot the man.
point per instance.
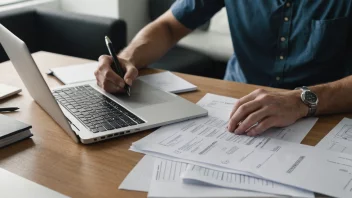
(278, 43)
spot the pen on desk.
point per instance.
(9, 109)
(116, 67)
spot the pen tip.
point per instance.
(107, 39)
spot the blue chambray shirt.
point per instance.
(280, 43)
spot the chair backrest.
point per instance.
(79, 35)
(22, 23)
(63, 32)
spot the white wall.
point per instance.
(49, 4)
(134, 12)
(105, 8)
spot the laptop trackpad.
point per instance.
(144, 95)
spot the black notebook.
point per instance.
(12, 131)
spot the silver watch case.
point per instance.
(306, 100)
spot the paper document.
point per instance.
(12, 185)
(205, 141)
(75, 73)
(169, 82)
(166, 182)
(339, 139)
(140, 177)
(221, 107)
(292, 164)
(195, 173)
(214, 126)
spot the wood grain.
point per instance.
(52, 159)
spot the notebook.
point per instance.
(7, 91)
(12, 131)
(169, 82)
(75, 73)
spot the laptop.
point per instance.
(87, 113)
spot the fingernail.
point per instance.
(122, 85)
(129, 81)
(237, 132)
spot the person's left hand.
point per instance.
(261, 110)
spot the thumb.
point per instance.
(131, 74)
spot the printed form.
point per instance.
(167, 182)
(204, 141)
(140, 177)
(339, 139)
(220, 107)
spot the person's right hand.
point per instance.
(111, 81)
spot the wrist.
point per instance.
(302, 109)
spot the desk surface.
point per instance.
(52, 159)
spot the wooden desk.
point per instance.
(52, 159)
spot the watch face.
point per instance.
(310, 97)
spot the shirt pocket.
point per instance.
(328, 38)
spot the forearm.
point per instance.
(334, 97)
(154, 40)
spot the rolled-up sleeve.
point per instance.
(194, 13)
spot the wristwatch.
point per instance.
(310, 99)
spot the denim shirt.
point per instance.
(280, 43)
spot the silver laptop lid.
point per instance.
(25, 66)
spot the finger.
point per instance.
(246, 99)
(252, 119)
(264, 125)
(111, 76)
(242, 112)
(104, 71)
(110, 87)
(105, 60)
(131, 74)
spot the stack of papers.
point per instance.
(196, 157)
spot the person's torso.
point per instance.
(289, 43)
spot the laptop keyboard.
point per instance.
(94, 110)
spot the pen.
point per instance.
(116, 67)
(9, 109)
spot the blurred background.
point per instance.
(76, 28)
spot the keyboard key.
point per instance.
(107, 126)
(114, 124)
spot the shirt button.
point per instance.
(286, 18)
(283, 39)
(278, 78)
(282, 57)
(288, 4)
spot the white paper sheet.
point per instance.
(140, 176)
(223, 179)
(12, 185)
(169, 82)
(166, 182)
(339, 139)
(297, 165)
(221, 106)
(292, 164)
(76, 73)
